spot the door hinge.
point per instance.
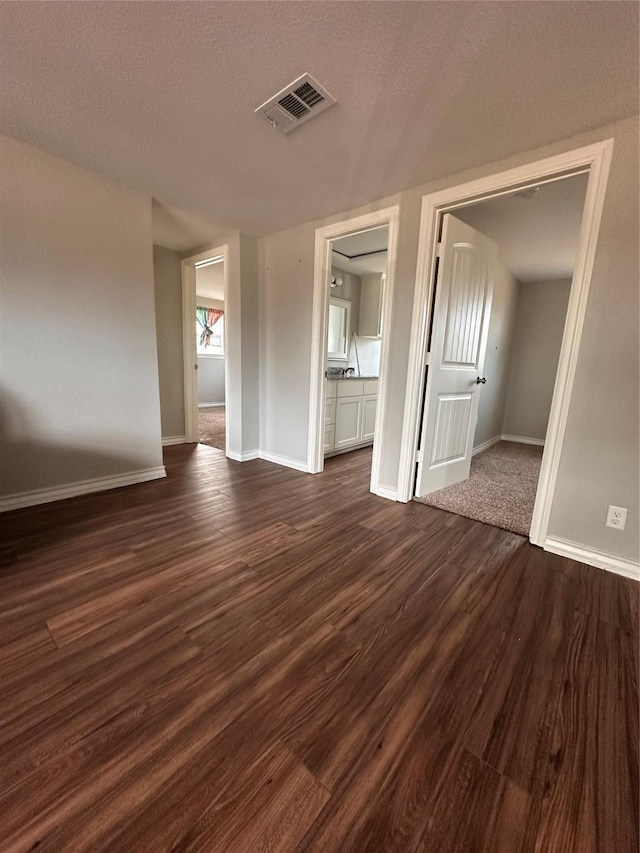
(419, 456)
(438, 250)
(427, 359)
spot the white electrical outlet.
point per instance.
(616, 517)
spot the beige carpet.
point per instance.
(211, 427)
(501, 489)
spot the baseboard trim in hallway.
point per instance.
(82, 487)
(170, 440)
(285, 461)
(242, 456)
(591, 557)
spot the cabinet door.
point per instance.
(369, 404)
(329, 437)
(329, 411)
(348, 421)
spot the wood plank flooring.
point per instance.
(243, 658)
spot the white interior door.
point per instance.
(460, 327)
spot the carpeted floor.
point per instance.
(211, 427)
(501, 489)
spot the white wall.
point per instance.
(168, 295)
(539, 327)
(250, 344)
(79, 372)
(364, 356)
(210, 379)
(493, 395)
(599, 465)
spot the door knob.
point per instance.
(480, 381)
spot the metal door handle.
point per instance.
(480, 381)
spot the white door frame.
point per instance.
(388, 216)
(189, 357)
(594, 159)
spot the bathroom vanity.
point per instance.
(350, 413)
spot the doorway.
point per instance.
(353, 290)
(205, 334)
(534, 234)
(595, 161)
(210, 352)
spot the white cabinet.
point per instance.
(329, 411)
(348, 422)
(329, 437)
(350, 387)
(330, 416)
(350, 413)
(370, 319)
(369, 404)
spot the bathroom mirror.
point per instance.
(338, 330)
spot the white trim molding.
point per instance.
(189, 354)
(486, 444)
(519, 439)
(245, 456)
(286, 461)
(209, 405)
(82, 487)
(173, 439)
(322, 268)
(592, 159)
(592, 557)
(386, 492)
(522, 439)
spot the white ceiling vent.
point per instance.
(296, 103)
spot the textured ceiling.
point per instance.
(161, 95)
(365, 242)
(350, 252)
(182, 230)
(538, 236)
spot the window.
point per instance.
(209, 331)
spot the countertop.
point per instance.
(334, 378)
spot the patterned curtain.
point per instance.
(207, 318)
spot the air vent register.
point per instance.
(296, 103)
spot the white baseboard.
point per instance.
(173, 439)
(592, 557)
(486, 444)
(83, 487)
(386, 492)
(523, 439)
(208, 405)
(520, 439)
(286, 461)
(244, 456)
(331, 453)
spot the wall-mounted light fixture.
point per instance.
(336, 282)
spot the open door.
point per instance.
(460, 326)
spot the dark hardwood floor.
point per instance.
(243, 658)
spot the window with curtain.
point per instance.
(209, 331)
